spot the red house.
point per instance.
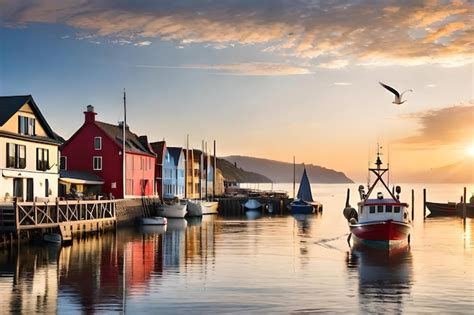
(97, 148)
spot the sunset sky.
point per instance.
(269, 79)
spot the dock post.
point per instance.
(464, 206)
(412, 204)
(424, 203)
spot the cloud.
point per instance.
(342, 83)
(243, 69)
(363, 32)
(431, 85)
(142, 43)
(447, 126)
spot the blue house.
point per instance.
(173, 173)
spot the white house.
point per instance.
(29, 151)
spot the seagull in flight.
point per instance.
(398, 96)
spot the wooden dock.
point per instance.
(232, 206)
(68, 217)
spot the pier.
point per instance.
(232, 206)
(65, 217)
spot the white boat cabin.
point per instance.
(382, 209)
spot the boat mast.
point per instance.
(207, 171)
(214, 173)
(294, 177)
(379, 172)
(124, 126)
(201, 171)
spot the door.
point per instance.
(18, 187)
(29, 189)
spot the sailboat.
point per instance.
(304, 203)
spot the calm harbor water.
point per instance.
(270, 264)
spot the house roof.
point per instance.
(175, 152)
(159, 148)
(9, 105)
(132, 141)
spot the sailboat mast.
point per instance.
(214, 173)
(294, 177)
(124, 126)
(207, 171)
(201, 170)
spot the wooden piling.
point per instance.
(464, 206)
(412, 204)
(424, 203)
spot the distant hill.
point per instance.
(282, 172)
(460, 172)
(237, 174)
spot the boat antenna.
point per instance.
(124, 126)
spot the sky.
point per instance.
(272, 79)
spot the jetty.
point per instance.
(67, 217)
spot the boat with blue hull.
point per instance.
(304, 203)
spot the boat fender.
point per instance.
(350, 213)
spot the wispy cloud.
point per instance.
(431, 85)
(342, 83)
(363, 32)
(243, 69)
(142, 43)
(447, 126)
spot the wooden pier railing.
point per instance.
(51, 214)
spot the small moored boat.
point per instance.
(442, 209)
(252, 204)
(153, 221)
(379, 222)
(304, 203)
(197, 208)
(176, 209)
(55, 238)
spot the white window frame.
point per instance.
(100, 142)
(99, 158)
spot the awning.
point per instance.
(79, 177)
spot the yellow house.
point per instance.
(29, 158)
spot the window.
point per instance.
(396, 209)
(372, 209)
(42, 159)
(97, 163)
(388, 208)
(16, 155)
(63, 163)
(26, 125)
(98, 143)
(379, 208)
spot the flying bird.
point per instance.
(398, 96)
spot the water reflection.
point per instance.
(385, 277)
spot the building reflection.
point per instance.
(385, 278)
(201, 241)
(29, 280)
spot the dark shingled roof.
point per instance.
(9, 105)
(132, 142)
(159, 148)
(175, 152)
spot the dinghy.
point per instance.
(153, 221)
(252, 204)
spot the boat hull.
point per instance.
(252, 204)
(172, 211)
(442, 209)
(302, 209)
(199, 208)
(381, 234)
(153, 221)
(54, 238)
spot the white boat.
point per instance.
(153, 229)
(53, 238)
(197, 208)
(176, 210)
(252, 204)
(153, 221)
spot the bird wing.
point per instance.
(405, 92)
(391, 89)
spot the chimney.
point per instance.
(89, 114)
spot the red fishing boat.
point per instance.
(379, 222)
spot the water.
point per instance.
(237, 265)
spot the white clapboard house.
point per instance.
(28, 151)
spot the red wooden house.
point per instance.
(96, 148)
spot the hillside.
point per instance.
(282, 172)
(237, 174)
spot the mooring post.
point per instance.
(412, 204)
(424, 203)
(464, 206)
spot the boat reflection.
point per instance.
(385, 277)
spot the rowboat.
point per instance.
(252, 204)
(153, 221)
(197, 208)
(379, 222)
(442, 209)
(172, 210)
